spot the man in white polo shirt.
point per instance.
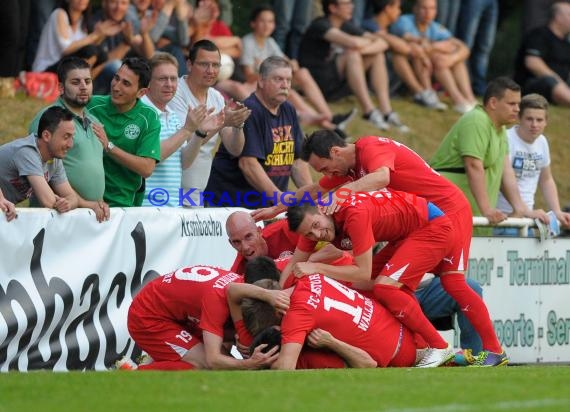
(196, 89)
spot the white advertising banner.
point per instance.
(526, 285)
(66, 283)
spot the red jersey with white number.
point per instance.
(187, 296)
(408, 173)
(321, 302)
(280, 240)
(367, 218)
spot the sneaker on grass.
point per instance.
(377, 119)
(462, 358)
(341, 120)
(435, 357)
(429, 99)
(486, 358)
(393, 119)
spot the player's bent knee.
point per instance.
(196, 356)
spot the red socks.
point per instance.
(408, 311)
(474, 309)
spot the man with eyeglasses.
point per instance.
(179, 143)
(197, 89)
(85, 158)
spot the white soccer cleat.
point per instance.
(435, 357)
(420, 353)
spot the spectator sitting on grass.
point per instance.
(448, 55)
(66, 34)
(411, 62)
(542, 63)
(339, 55)
(259, 45)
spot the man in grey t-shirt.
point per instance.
(21, 162)
(33, 165)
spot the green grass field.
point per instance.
(520, 388)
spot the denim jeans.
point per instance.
(447, 13)
(40, 10)
(511, 231)
(291, 20)
(477, 26)
(14, 31)
(436, 303)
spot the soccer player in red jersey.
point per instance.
(420, 238)
(274, 240)
(376, 162)
(179, 318)
(320, 303)
(324, 350)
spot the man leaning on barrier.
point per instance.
(33, 165)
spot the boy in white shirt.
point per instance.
(530, 156)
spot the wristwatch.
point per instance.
(110, 146)
(200, 134)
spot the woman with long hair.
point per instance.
(66, 33)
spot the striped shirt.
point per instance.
(165, 180)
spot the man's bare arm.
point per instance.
(288, 356)
(353, 356)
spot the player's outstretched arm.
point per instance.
(353, 356)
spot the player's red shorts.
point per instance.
(405, 355)
(162, 339)
(424, 250)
